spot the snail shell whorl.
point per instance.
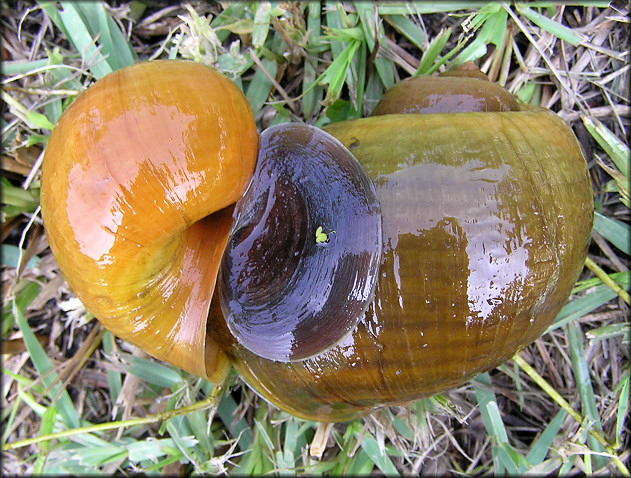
(485, 230)
(445, 94)
(135, 177)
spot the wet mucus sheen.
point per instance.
(484, 232)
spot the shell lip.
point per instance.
(302, 262)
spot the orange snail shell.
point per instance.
(136, 180)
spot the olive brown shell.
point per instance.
(485, 230)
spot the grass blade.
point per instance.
(260, 87)
(113, 43)
(46, 426)
(198, 424)
(420, 7)
(227, 410)
(583, 3)
(82, 40)
(623, 407)
(428, 59)
(587, 303)
(384, 463)
(505, 457)
(98, 456)
(261, 24)
(360, 465)
(607, 280)
(616, 232)
(620, 278)
(31, 118)
(409, 30)
(288, 456)
(585, 388)
(18, 67)
(335, 74)
(616, 149)
(114, 378)
(311, 97)
(45, 369)
(622, 330)
(152, 372)
(539, 449)
(549, 25)
(153, 449)
(53, 13)
(493, 20)
(16, 200)
(233, 19)
(373, 30)
(181, 434)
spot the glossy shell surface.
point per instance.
(486, 223)
(445, 94)
(136, 178)
(463, 245)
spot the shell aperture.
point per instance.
(301, 265)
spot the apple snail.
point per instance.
(374, 262)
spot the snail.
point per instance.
(372, 263)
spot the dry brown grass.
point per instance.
(588, 80)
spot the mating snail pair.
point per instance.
(384, 260)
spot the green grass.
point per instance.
(88, 403)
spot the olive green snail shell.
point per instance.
(486, 219)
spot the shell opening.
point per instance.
(302, 261)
